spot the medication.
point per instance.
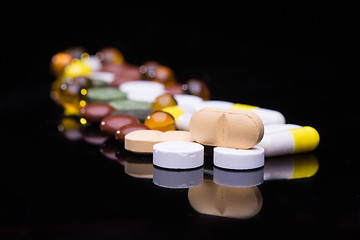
(188, 103)
(226, 128)
(198, 88)
(105, 94)
(137, 109)
(162, 101)
(112, 123)
(95, 112)
(161, 121)
(288, 139)
(217, 200)
(239, 159)
(142, 141)
(178, 155)
(121, 132)
(179, 178)
(146, 91)
(267, 116)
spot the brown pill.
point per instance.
(112, 123)
(121, 132)
(95, 112)
(226, 128)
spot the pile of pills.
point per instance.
(148, 111)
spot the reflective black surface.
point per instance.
(300, 63)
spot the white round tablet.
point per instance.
(178, 155)
(231, 158)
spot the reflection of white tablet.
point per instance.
(178, 178)
(238, 178)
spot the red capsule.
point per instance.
(95, 112)
(121, 132)
(112, 123)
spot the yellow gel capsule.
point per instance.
(306, 139)
(161, 121)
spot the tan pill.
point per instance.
(142, 141)
(226, 128)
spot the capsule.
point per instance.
(183, 113)
(289, 139)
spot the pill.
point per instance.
(104, 94)
(226, 128)
(197, 87)
(291, 167)
(137, 109)
(268, 116)
(188, 103)
(106, 77)
(238, 178)
(178, 155)
(142, 141)
(217, 200)
(112, 123)
(95, 112)
(231, 158)
(289, 141)
(164, 100)
(146, 91)
(179, 178)
(161, 121)
(121, 132)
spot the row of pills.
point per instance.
(236, 130)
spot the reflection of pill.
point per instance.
(142, 141)
(238, 178)
(213, 199)
(288, 141)
(178, 155)
(226, 128)
(231, 158)
(180, 178)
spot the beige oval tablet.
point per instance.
(142, 141)
(226, 128)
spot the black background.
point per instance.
(300, 59)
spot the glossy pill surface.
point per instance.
(226, 128)
(121, 132)
(161, 121)
(112, 123)
(95, 112)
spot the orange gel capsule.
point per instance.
(160, 121)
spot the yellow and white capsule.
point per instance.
(288, 139)
(182, 113)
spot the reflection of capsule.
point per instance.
(210, 198)
(288, 139)
(138, 166)
(291, 167)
